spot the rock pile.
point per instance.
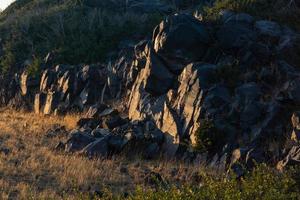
(104, 133)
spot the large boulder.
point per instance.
(78, 141)
(181, 39)
(97, 148)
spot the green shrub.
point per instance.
(7, 61)
(35, 68)
(207, 136)
(262, 183)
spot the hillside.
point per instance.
(77, 31)
(168, 99)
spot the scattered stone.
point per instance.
(78, 141)
(96, 149)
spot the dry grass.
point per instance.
(33, 170)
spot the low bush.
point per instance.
(262, 183)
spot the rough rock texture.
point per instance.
(70, 87)
(243, 85)
(141, 138)
(227, 85)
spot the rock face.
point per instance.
(242, 86)
(179, 40)
(227, 88)
(67, 87)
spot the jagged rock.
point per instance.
(158, 79)
(47, 80)
(97, 111)
(27, 83)
(296, 120)
(52, 102)
(24, 82)
(231, 75)
(179, 40)
(100, 132)
(292, 158)
(194, 81)
(39, 102)
(74, 87)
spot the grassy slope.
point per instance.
(33, 170)
(76, 32)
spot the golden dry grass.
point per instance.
(33, 170)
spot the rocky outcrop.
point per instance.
(227, 87)
(233, 76)
(70, 87)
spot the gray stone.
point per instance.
(181, 39)
(52, 102)
(239, 18)
(24, 82)
(39, 102)
(296, 120)
(78, 141)
(268, 28)
(116, 143)
(292, 158)
(100, 132)
(235, 35)
(96, 149)
(158, 79)
(151, 151)
(47, 80)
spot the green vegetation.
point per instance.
(285, 12)
(261, 183)
(207, 137)
(76, 32)
(35, 67)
